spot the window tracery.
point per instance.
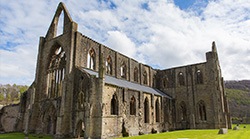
(56, 73)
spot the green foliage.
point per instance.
(1, 97)
(10, 94)
(243, 133)
(238, 96)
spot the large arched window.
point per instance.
(114, 105)
(146, 110)
(181, 79)
(108, 65)
(91, 59)
(145, 78)
(202, 111)
(56, 72)
(183, 111)
(199, 77)
(136, 74)
(133, 106)
(123, 70)
(157, 110)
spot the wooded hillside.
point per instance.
(238, 93)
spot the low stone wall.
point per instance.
(8, 117)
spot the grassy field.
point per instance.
(243, 133)
(21, 136)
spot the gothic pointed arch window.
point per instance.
(181, 79)
(80, 100)
(146, 110)
(56, 71)
(199, 77)
(114, 105)
(157, 110)
(60, 21)
(91, 59)
(145, 78)
(202, 111)
(123, 70)
(183, 111)
(136, 75)
(108, 65)
(165, 82)
(132, 106)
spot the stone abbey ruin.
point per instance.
(85, 89)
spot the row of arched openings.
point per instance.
(181, 79)
(115, 105)
(91, 64)
(147, 110)
(132, 108)
(201, 112)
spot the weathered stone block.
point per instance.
(223, 131)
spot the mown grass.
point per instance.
(22, 136)
(243, 133)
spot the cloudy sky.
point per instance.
(160, 33)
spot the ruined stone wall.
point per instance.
(8, 117)
(113, 124)
(194, 84)
(84, 45)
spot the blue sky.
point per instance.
(160, 33)
(184, 4)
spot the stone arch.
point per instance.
(199, 77)
(145, 77)
(183, 111)
(56, 70)
(114, 105)
(124, 70)
(80, 100)
(157, 110)
(165, 82)
(136, 74)
(181, 79)
(146, 110)
(63, 13)
(49, 119)
(91, 59)
(109, 65)
(80, 129)
(132, 106)
(202, 114)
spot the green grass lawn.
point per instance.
(21, 136)
(243, 133)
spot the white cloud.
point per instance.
(121, 43)
(159, 34)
